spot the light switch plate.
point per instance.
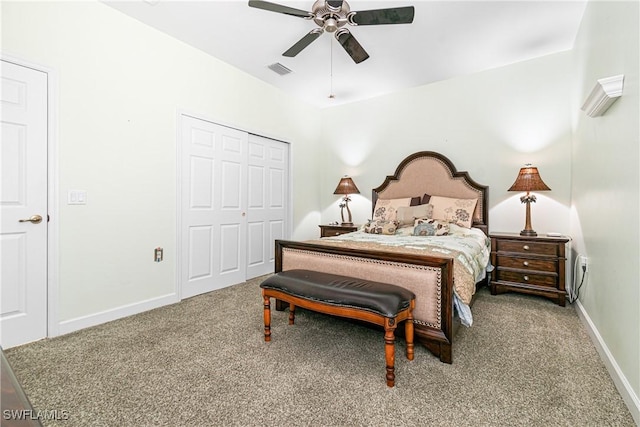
(77, 197)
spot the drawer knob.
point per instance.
(526, 263)
(525, 247)
(526, 278)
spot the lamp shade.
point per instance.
(529, 180)
(346, 186)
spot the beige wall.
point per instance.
(606, 182)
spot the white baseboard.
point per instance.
(78, 323)
(624, 388)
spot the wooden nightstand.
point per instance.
(531, 265)
(336, 229)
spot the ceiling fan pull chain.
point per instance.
(331, 95)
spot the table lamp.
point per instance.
(346, 186)
(528, 180)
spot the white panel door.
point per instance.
(268, 189)
(213, 206)
(23, 199)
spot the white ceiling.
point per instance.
(446, 39)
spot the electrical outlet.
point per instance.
(584, 262)
(158, 254)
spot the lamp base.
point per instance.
(528, 231)
(342, 208)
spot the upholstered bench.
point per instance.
(375, 302)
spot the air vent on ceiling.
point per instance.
(279, 68)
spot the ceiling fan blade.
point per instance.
(335, 5)
(303, 42)
(398, 15)
(273, 7)
(351, 45)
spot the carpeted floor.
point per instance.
(203, 362)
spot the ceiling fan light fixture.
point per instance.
(330, 25)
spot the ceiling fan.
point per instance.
(331, 16)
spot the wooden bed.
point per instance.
(429, 277)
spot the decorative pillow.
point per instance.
(430, 227)
(386, 208)
(406, 230)
(408, 215)
(415, 201)
(425, 199)
(457, 211)
(381, 227)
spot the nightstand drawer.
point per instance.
(537, 248)
(329, 233)
(527, 278)
(537, 264)
(336, 230)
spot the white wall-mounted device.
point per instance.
(605, 93)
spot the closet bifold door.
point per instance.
(233, 196)
(268, 193)
(213, 202)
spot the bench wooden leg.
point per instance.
(267, 317)
(292, 313)
(408, 333)
(390, 349)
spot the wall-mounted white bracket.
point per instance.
(605, 93)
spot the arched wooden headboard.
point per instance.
(428, 172)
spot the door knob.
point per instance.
(35, 219)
